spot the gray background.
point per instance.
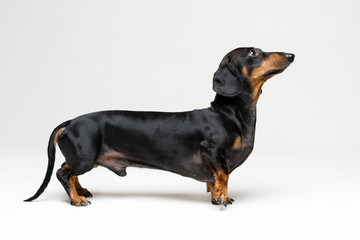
(61, 59)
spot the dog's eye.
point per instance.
(253, 53)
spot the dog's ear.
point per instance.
(226, 81)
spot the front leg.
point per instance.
(219, 167)
(209, 187)
(219, 189)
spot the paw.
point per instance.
(84, 192)
(80, 202)
(222, 201)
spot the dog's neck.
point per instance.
(241, 107)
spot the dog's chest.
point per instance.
(240, 150)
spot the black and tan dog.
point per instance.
(206, 144)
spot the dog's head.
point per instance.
(245, 68)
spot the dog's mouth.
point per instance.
(274, 72)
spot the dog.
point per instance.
(206, 144)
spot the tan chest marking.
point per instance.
(237, 143)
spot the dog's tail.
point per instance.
(51, 159)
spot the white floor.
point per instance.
(283, 197)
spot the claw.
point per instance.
(213, 201)
(228, 203)
(86, 194)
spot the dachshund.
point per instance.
(206, 144)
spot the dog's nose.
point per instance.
(290, 57)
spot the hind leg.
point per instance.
(80, 190)
(71, 183)
(75, 198)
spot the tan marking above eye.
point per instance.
(245, 71)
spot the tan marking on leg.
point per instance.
(74, 196)
(57, 135)
(80, 190)
(237, 143)
(209, 187)
(220, 189)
